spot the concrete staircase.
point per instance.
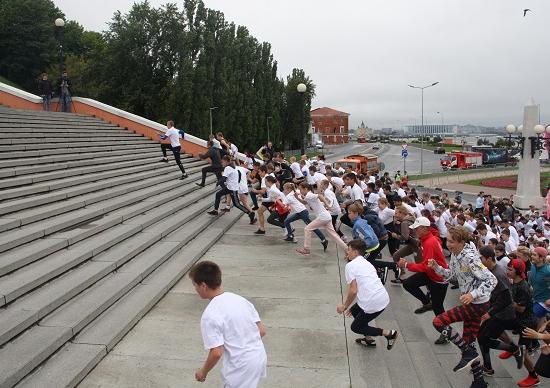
(94, 230)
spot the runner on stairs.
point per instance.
(173, 135)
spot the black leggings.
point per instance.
(490, 331)
(234, 198)
(216, 170)
(437, 290)
(375, 257)
(360, 324)
(176, 152)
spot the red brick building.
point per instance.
(331, 125)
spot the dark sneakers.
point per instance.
(259, 232)
(213, 212)
(442, 340)
(290, 239)
(164, 160)
(199, 184)
(468, 357)
(252, 218)
(184, 176)
(423, 309)
(392, 337)
(325, 245)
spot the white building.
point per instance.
(431, 129)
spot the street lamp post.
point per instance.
(301, 88)
(268, 118)
(211, 109)
(422, 134)
(60, 23)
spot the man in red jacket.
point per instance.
(425, 276)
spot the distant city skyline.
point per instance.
(488, 58)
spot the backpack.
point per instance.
(182, 133)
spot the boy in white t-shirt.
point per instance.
(370, 295)
(231, 328)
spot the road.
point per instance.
(390, 155)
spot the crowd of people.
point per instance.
(496, 255)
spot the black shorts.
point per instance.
(268, 204)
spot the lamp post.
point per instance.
(60, 23)
(301, 88)
(442, 120)
(211, 109)
(422, 134)
(267, 119)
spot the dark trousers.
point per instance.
(234, 198)
(375, 257)
(393, 243)
(437, 290)
(277, 219)
(490, 331)
(346, 221)
(304, 216)
(254, 198)
(176, 152)
(215, 169)
(360, 324)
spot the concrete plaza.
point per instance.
(308, 344)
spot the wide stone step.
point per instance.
(52, 185)
(63, 139)
(67, 129)
(71, 172)
(75, 135)
(7, 111)
(37, 159)
(111, 326)
(33, 123)
(26, 278)
(146, 187)
(59, 144)
(18, 152)
(27, 201)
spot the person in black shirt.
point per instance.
(500, 316)
(45, 90)
(215, 166)
(64, 85)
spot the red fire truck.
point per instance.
(461, 160)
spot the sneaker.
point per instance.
(423, 309)
(468, 357)
(479, 384)
(325, 245)
(488, 371)
(290, 239)
(252, 217)
(184, 176)
(518, 355)
(213, 212)
(529, 381)
(505, 355)
(199, 184)
(255, 208)
(259, 231)
(392, 337)
(164, 160)
(442, 340)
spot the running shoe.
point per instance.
(290, 239)
(199, 184)
(252, 217)
(442, 340)
(184, 176)
(488, 371)
(468, 357)
(213, 212)
(529, 381)
(392, 337)
(259, 231)
(164, 160)
(368, 342)
(423, 309)
(325, 245)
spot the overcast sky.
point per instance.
(488, 58)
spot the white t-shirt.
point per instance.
(174, 136)
(309, 177)
(430, 206)
(440, 223)
(386, 215)
(514, 234)
(488, 236)
(381, 193)
(273, 194)
(337, 181)
(468, 227)
(243, 184)
(230, 321)
(295, 205)
(510, 245)
(503, 263)
(363, 186)
(262, 184)
(356, 193)
(371, 294)
(317, 206)
(318, 177)
(334, 205)
(321, 166)
(295, 167)
(401, 192)
(216, 143)
(232, 181)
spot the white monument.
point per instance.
(528, 188)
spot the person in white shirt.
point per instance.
(315, 177)
(230, 177)
(231, 328)
(461, 221)
(295, 167)
(334, 207)
(323, 219)
(355, 193)
(505, 224)
(338, 167)
(298, 211)
(321, 164)
(385, 213)
(402, 193)
(173, 136)
(509, 243)
(243, 187)
(485, 233)
(369, 295)
(233, 150)
(275, 196)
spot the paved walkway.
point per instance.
(308, 344)
(494, 191)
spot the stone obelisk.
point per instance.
(528, 189)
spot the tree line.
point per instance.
(162, 63)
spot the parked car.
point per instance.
(439, 150)
(376, 147)
(319, 145)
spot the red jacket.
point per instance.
(431, 249)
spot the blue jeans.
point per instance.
(304, 216)
(65, 101)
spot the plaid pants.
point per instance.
(469, 314)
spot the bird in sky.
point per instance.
(525, 11)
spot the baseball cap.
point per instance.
(420, 221)
(519, 266)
